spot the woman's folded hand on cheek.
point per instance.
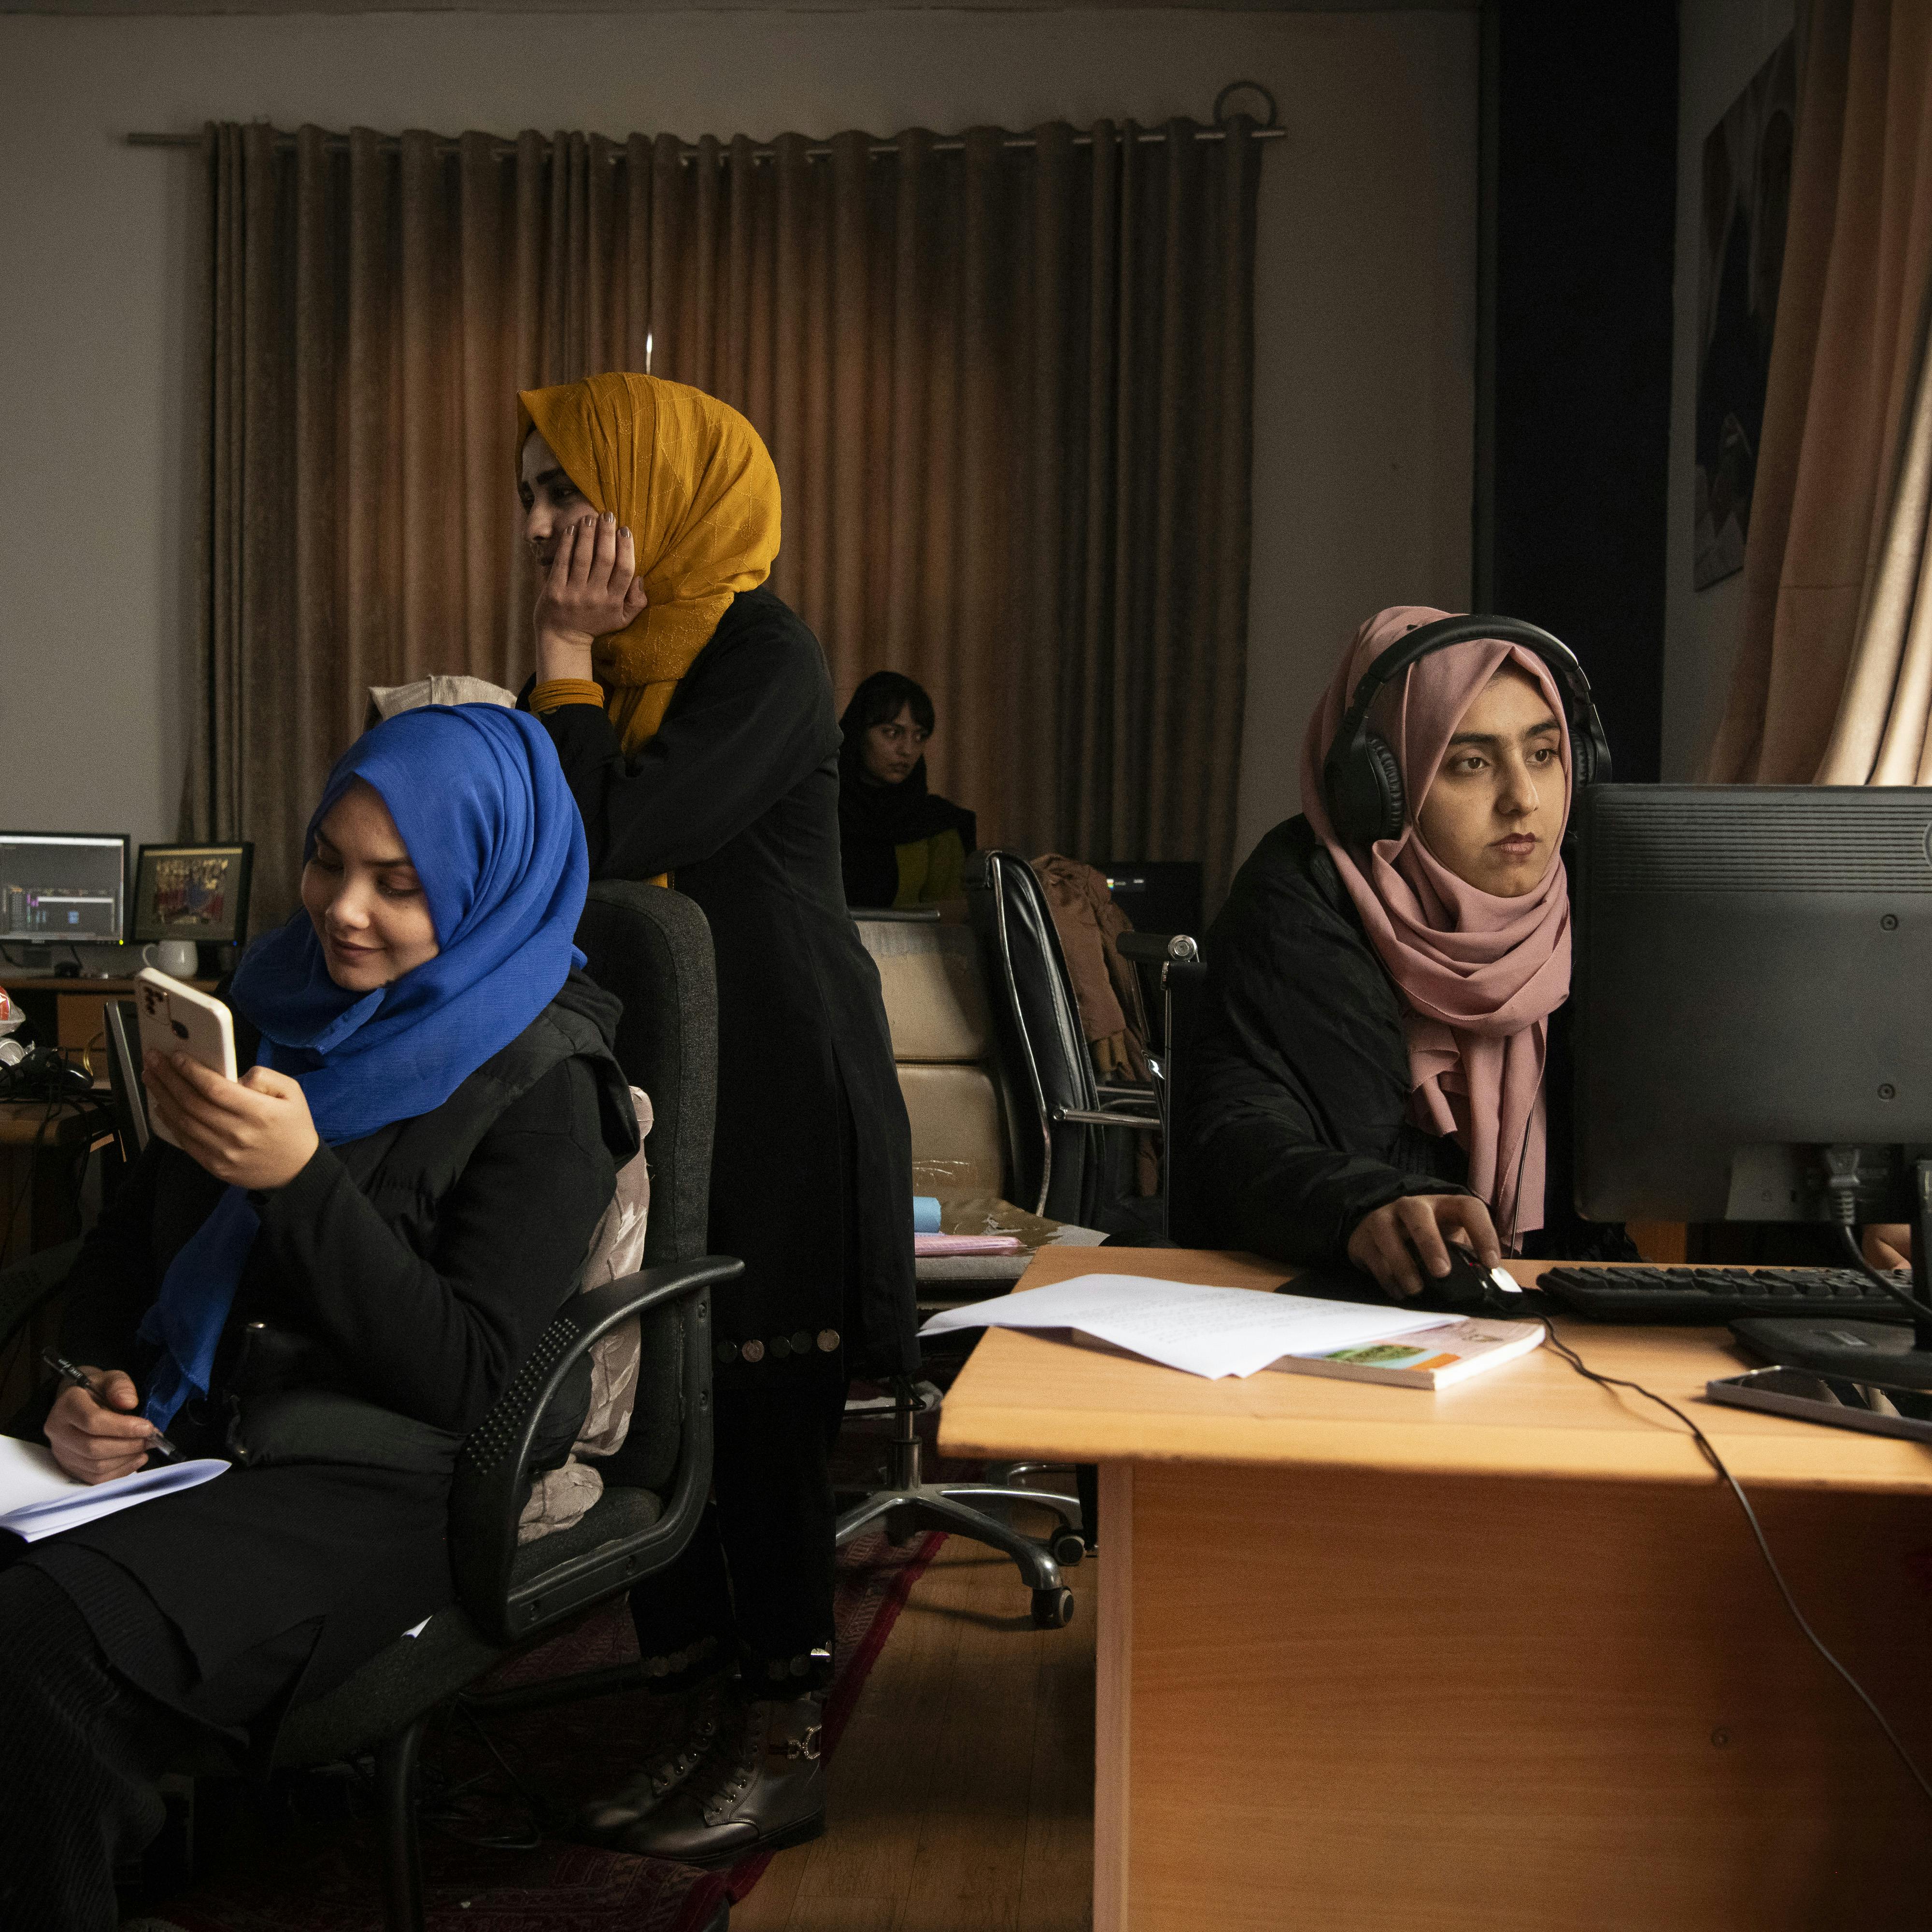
(254, 1132)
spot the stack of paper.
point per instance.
(1206, 1331)
(37, 1497)
(967, 1244)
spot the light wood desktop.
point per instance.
(1504, 1659)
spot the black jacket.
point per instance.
(421, 1264)
(737, 796)
(1292, 1116)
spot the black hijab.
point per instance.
(875, 819)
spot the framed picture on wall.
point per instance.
(193, 892)
(1747, 197)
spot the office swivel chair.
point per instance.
(1061, 1111)
(652, 948)
(929, 976)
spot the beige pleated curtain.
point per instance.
(1832, 683)
(1007, 388)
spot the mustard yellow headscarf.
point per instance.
(692, 481)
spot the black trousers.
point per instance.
(82, 1749)
(755, 1582)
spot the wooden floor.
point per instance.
(961, 1797)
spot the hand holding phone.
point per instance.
(175, 1017)
(255, 1133)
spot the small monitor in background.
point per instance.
(63, 888)
(1157, 895)
(196, 892)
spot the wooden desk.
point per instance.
(1504, 1659)
(40, 1148)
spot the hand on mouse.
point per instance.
(1388, 1241)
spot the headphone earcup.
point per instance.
(1365, 795)
(1391, 802)
(1589, 750)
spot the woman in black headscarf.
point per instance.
(899, 843)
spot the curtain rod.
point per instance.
(764, 151)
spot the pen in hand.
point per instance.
(158, 1444)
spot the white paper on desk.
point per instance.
(1206, 1331)
(37, 1497)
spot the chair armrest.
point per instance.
(491, 1482)
(1082, 1117)
(27, 1284)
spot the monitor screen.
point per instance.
(1750, 986)
(62, 886)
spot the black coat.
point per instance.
(413, 1262)
(737, 796)
(1293, 1116)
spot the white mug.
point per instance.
(179, 957)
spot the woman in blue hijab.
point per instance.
(328, 1277)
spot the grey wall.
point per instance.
(1365, 298)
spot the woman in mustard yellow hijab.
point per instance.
(694, 716)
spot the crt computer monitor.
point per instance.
(63, 887)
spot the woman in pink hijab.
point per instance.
(1382, 1063)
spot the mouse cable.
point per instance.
(1717, 1462)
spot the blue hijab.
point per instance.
(481, 802)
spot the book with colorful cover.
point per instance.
(1424, 1358)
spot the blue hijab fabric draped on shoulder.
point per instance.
(490, 826)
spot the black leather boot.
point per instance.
(690, 1732)
(759, 1788)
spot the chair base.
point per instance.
(908, 1504)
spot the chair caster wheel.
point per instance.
(1068, 1547)
(1053, 1610)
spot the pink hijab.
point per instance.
(1480, 975)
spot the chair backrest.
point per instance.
(651, 948)
(929, 979)
(1058, 1165)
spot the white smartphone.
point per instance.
(176, 1018)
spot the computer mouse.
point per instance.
(1470, 1288)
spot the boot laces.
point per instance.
(746, 1749)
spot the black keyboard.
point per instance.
(1712, 1296)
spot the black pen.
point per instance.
(158, 1444)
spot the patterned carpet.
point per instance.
(299, 1856)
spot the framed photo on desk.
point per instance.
(193, 892)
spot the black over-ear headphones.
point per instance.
(1361, 777)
